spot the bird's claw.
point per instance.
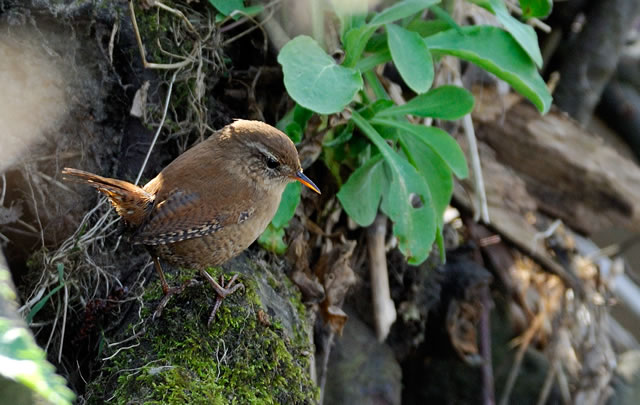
(222, 291)
(168, 293)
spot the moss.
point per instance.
(273, 283)
(238, 360)
(167, 39)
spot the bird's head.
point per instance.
(266, 154)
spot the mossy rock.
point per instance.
(256, 352)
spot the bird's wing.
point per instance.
(181, 215)
(195, 195)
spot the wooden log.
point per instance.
(566, 171)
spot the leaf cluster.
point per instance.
(398, 166)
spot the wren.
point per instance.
(210, 203)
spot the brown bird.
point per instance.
(210, 203)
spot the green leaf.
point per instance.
(22, 361)
(348, 22)
(379, 105)
(411, 57)
(314, 80)
(444, 16)
(486, 4)
(344, 136)
(272, 239)
(374, 60)
(414, 228)
(437, 175)
(426, 28)
(294, 132)
(288, 204)
(378, 42)
(355, 41)
(253, 11)
(60, 269)
(440, 141)
(238, 13)
(434, 170)
(524, 34)
(226, 7)
(440, 244)
(285, 120)
(444, 102)
(401, 10)
(301, 115)
(494, 50)
(40, 304)
(294, 122)
(536, 8)
(360, 195)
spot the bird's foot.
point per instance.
(170, 292)
(222, 291)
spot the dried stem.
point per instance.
(384, 310)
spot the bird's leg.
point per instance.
(165, 285)
(222, 291)
(168, 292)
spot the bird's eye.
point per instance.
(272, 163)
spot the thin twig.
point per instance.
(27, 225)
(325, 365)
(480, 203)
(112, 39)
(488, 393)
(548, 381)
(533, 21)
(258, 24)
(155, 137)
(4, 189)
(119, 350)
(54, 182)
(178, 13)
(53, 328)
(481, 210)
(547, 233)
(517, 361)
(35, 207)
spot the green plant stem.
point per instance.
(376, 86)
(373, 136)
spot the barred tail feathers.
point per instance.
(131, 202)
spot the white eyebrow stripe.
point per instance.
(262, 150)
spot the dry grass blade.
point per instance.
(155, 137)
(525, 341)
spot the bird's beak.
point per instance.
(306, 181)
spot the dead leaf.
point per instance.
(335, 272)
(312, 290)
(462, 323)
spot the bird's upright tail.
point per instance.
(131, 202)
